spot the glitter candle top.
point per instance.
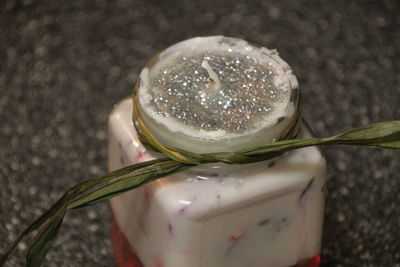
(217, 88)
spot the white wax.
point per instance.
(249, 215)
(169, 131)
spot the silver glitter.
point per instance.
(213, 91)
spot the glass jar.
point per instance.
(267, 213)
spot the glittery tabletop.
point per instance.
(64, 64)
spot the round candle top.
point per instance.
(217, 88)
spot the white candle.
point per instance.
(260, 214)
(250, 92)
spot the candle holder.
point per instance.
(218, 94)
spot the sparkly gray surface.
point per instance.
(217, 92)
(63, 64)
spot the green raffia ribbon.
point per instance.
(383, 135)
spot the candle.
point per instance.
(218, 94)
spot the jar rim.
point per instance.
(178, 139)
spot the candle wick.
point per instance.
(213, 76)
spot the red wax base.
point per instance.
(122, 249)
(313, 262)
(126, 258)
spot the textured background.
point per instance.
(63, 64)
